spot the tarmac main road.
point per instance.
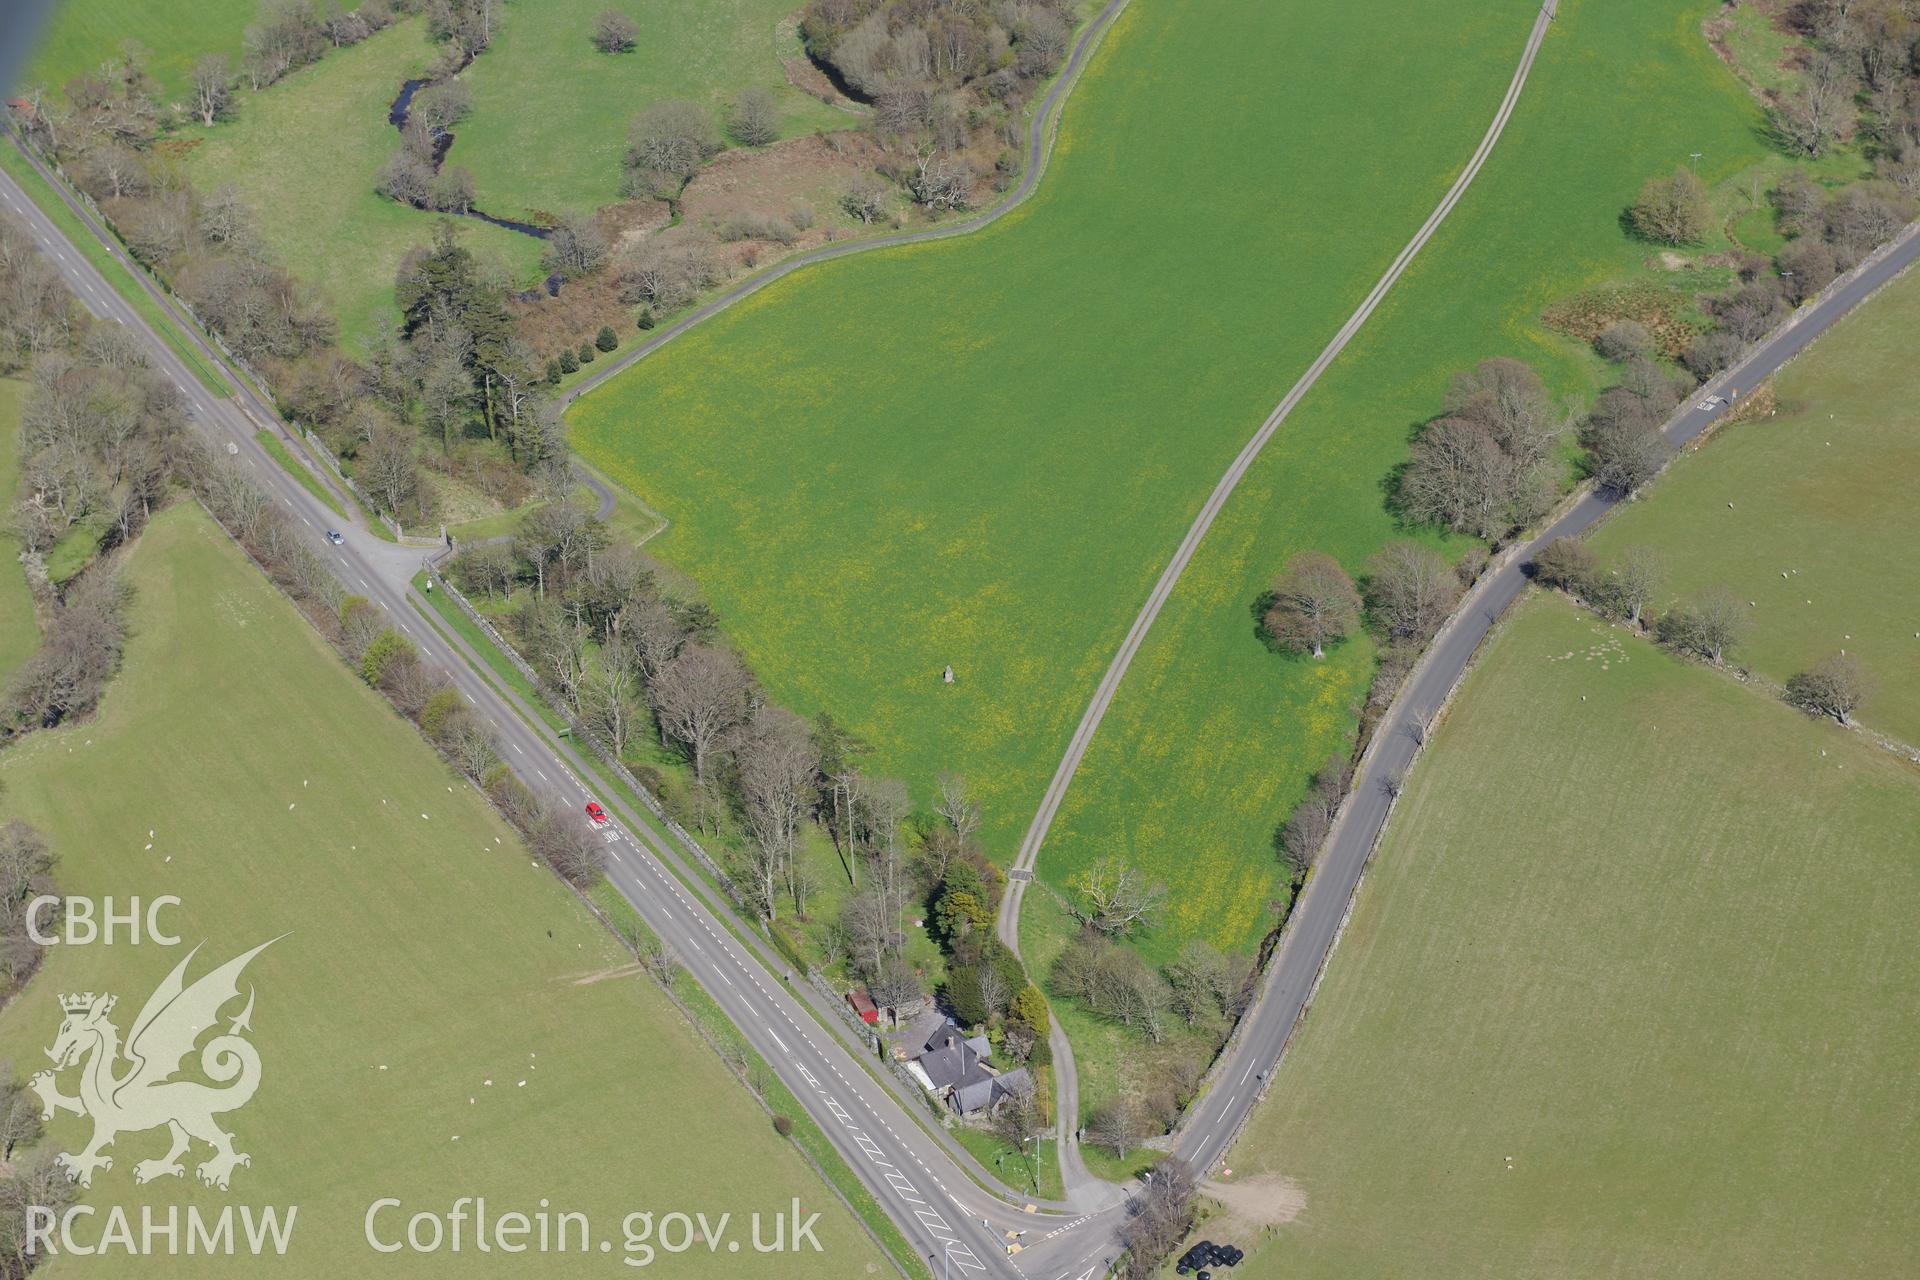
(920, 1182)
(949, 1219)
(1240, 1077)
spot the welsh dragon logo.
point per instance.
(143, 1094)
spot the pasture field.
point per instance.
(304, 153)
(550, 112)
(19, 631)
(79, 35)
(1626, 993)
(980, 452)
(1822, 491)
(428, 968)
(1212, 738)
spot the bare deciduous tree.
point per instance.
(1314, 604)
(700, 697)
(614, 32)
(669, 141)
(611, 703)
(957, 805)
(1630, 587)
(212, 87)
(1812, 116)
(1708, 627)
(779, 776)
(1116, 1125)
(1019, 1121)
(756, 120)
(1834, 686)
(1158, 1218)
(1411, 589)
(872, 929)
(1673, 210)
(1114, 897)
(867, 198)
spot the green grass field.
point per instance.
(1645, 933)
(304, 153)
(1822, 492)
(980, 453)
(549, 123)
(79, 35)
(19, 631)
(427, 955)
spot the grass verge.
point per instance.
(806, 1133)
(278, 451)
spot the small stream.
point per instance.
(442, 143)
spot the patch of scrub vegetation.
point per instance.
(440, 1012)
(303, 154)
(1807, 512)
(1758, 39)
(1566, 1030)
(548, 132)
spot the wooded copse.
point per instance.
(626, 648)
(948, 80)
(453, 368)
(1863, 74)
(101, 438)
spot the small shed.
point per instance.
(863, 1006)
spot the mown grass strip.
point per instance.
(279, 452)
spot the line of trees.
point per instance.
(628, 651)
(388, 661)
(26, 872)
(204, 245)
(1159, 1217)
(1708, 626)
(99, 432)
(26, 863)
(1406, 592)
(100, 440)
(1865, 54)
(454, 367)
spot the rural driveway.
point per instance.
(1072, 1169)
